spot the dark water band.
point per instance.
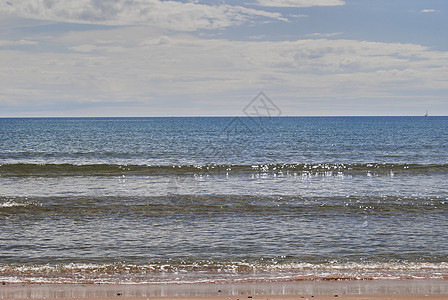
(21, 169)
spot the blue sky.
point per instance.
(199, 58)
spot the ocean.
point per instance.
(223, 199)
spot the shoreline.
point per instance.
(353, 289)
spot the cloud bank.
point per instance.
(300, 3)
(134, 69)
(163, 14)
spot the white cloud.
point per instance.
(324, 35)
(428, 10)
(298, 16)
(16, 43)
(300, 3)
(163, 14)
(127, 66)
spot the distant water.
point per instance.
(137, 200)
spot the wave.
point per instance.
(222, 272)
(325, 169)
(176, 204)
(6, 202)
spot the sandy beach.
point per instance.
(374, 289)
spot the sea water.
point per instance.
(138, 200)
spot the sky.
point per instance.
(86, 58)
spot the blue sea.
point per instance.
(223, 199)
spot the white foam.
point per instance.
(226, 272)
(14, 204)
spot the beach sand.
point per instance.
(372, 289)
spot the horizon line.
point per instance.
(210, 116)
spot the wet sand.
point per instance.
(372, 289)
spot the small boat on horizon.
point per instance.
(426, 114)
